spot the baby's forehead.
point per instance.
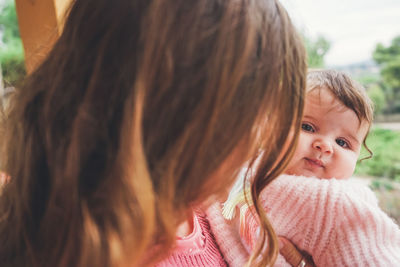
(327, 101)
(347, 97)
(324, 97)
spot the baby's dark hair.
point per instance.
(349, 92)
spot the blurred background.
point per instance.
(360, 37)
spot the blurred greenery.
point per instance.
(11, 50)
(377, 95)
(388, 57)
(368, 79)
(316, 51)
(385, 145)
(381, 184)
(384, 166)
(388, 194)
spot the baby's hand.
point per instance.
(292, 255)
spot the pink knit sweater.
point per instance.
(337, 221)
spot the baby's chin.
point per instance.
(305, 173)
(308, 173)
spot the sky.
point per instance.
(353, 27)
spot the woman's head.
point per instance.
(137, 107)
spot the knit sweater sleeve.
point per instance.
(337, 222)
(301, 209)
(363, 236)
(227, 237)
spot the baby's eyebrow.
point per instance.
(308, 117)
(354, 139)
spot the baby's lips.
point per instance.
(316, 162)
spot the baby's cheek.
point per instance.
(348, 164)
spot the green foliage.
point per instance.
(377, 95)
(368, 79)
(385, 144)
(316, 51)
(384, 54)
(391, 72)
(388, 193)
(9, 22)
(389, 60)
(376, 90)
(381, 184)
(11, 53)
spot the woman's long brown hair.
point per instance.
(119, 131)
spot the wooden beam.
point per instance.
(40, 24)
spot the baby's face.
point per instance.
(330, 138)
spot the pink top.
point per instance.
(197, 249)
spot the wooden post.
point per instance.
(40, 24)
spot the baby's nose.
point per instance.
(323, 145)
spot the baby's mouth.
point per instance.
(315, 162)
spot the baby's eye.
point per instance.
(342, 143)
(307, 127)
